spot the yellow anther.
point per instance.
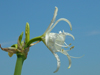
(72, 47)
(69, 67)
(69, 44)
(62, 50)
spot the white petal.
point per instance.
(53, 19)
(69, 61)
(58, 62)
(50, 39)
(69, 35)
(46, 38)
(69, 58)
(57, 57)
(60, 32)
(62, 19)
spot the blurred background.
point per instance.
(84, 16)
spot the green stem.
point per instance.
(33, 40)
(19, 63)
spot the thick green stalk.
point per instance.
(19, 63)
(27, 32)
(33, 40)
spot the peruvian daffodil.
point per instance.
(55, 42)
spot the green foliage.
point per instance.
(20, 37)
(27, 33)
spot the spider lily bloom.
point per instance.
(55, 42)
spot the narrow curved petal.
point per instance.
(57, 57)
(58, 62)
(53, 19)
(62, 19)
(69, 35)
(69, 58)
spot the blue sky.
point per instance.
(84, 16)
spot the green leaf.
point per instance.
(14, 45)
(27, 33)
(18, 42)
(20, 37)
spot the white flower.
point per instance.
(56, 42)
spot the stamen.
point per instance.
(66, 44)
(72, 47)
(69, 44)
(62, 50)
(61, 45)
(76, 57)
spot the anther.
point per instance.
(69, 44)
(72, 47)
(62, 50)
